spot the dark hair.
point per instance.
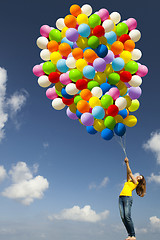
(141, 187)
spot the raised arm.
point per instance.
(129, 172)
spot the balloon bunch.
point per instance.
(90, 60)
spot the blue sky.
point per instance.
(63, 169)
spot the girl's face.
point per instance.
(139, 177)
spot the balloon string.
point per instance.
(122, 144)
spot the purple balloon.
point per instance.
(75, 45)
(109, 58)
(87, 119)
(127, 85)
(134, 92)
(72, 34)
(70, 114)
(99, 64)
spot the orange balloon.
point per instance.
(117, 47)
(77, 53)
(90, 55)
(83, 106)
(53, 46)
(64, 49)
(75, 10)
(86, 94)
(70, 21)
(129, 45)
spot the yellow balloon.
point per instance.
(109, 46)
(59, 86)
(123, 91)
(100, 77)
(81, 121)
(82, 42)
(130, 121)
(126, 56)
(134, 105)
(55, 56)
(114, 29)
(108, 69)
(82, 18)
(129, 101)
(94, 101)
(99, 125)
(63, 32)
(118, 118)
(73, 108)
(103, 40)
(80, 64)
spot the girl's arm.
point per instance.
(129, 172)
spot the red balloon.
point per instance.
(81, 84)
(67, 102)
(124, 38)
(125, 76)
(98, 31)
(54, 77)
(112, 110)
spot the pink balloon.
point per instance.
(38, 70)
(114, 93)
(45, 30)
(104, 14)
(64, 78)
(142, 70)
(51, 93)
(131, 23)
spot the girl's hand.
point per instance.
(126, 160)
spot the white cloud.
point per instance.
(25, 188)
(3, 114)
(45, 145)
(153, 144)
(154, 178)
(85, 214)
(155, 223)
(17, 101)
(141, 230)
(3, 173)
(101, 185)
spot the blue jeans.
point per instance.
(125, 204)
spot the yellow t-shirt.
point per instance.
(128, 188)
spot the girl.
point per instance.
(125, 199)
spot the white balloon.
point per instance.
(136, 54)
(43, 81)
(45, 54)
(71, 89)
(86, 9)
(42, 42)
(115, 17)
(108, 25)
(135, 81)
(97, 92)
(121, 103)
(60, 23)
(58, 104)
(71, 62)
(135, 35)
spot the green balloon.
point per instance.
(121, 29)
(49, 67)
(77, 99)
(58, 93)
(106, 101)
(94, 20)
(109, 122)
(131, 67)
(75, 75)
(55, 35)
(92, 84)
(93, 42)
(113, 78)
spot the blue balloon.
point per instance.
(79, 114)
(123, 113)
(105, 87)
(111, 37)
(65, 94)
(102, 50)
(84, 30)
(61, 66)
(65, 40)
(89, 72)
(107, 134)
(118, 64)
(86, 49)
(120, 129)
(91, 130)
(98, 112)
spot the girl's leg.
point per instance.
(122, 213)
(127, 216)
